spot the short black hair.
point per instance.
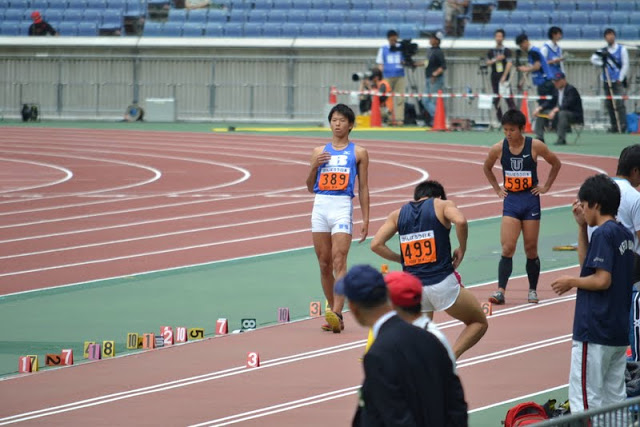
(345, 111)
(553, 31)
(499, 30)
(521, 37)
(602, 190)
(514, 117)
(391, 33)
(609, 31)
(629, 159)
(429, 188)
(414, 309)
(376, 72)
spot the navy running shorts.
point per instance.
(522, 205)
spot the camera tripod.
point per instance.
(483, 72)
(409, 73)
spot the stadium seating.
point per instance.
(198, 16)
(193, 29)
(212, 29)
(579, 19)
(591, 32)
(87, 29)
(253, 29)
(571, 32)
(271, 30)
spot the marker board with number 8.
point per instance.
(248, 324)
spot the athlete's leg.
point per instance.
(509, 233)
(467, 309)
(322, 246)
(340, 245)
(530, 232)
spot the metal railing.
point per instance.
(224, 86)
(624, 414)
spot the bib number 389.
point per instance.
(332, 181)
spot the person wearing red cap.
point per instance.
(424, 226)
(409, 377)
(405, 293)
(40, 27)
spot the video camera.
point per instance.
(408, 49)
(361, 76)
(603, 53)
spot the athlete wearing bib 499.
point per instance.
(425, 252)
(332, 178)
(518, 156)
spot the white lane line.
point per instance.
(156, 173)
(287, 406)
(245, 257)
(191, 230)
(423, 175)
(185, 248)
(240, 370)
(79, 147)
(418, 170)
(245, 174)
(67, 175)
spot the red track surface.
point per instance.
(144, 201)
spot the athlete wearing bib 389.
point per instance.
(332, 178)
(518, 156)
(425, 252)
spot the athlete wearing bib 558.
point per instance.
(521, 212)
(334, 168)
(425, 252)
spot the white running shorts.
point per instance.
(441, 296)
(332, 214)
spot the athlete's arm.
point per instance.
(494, 154)
(598, 281)
(541, 149)
(318, 157)
(363, 189)
(456, 217)
(583, 235)
(386, 232)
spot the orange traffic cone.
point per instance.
(376, 117)
(439, 121)
(333, 97)
(524, 107)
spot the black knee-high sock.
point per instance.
(504, 271)
(533, 272)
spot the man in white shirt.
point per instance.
(405, 293)
(614, 60)
(628, 179)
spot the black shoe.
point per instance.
(560, 142)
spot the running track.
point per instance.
(80, 205)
